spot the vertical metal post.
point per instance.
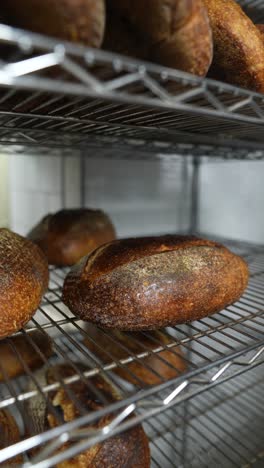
(194, 228)
(63, 182)
(82, 179)
(194, 212)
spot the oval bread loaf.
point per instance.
(174, 33)
(151, 283)
(73, 20)
(129, 449)
(238, 46)
(153, 369)
(66, 236)
(18, 349)
(24, 278)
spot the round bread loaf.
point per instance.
(129, 449)
(174, 33)
(74, 20)
(154, 282)
(66, 236)
(24, 278)
(18, 349)
(9, 435)
(152, 369)
(238, 46)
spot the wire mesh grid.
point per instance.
(151, 372)
(58, 96)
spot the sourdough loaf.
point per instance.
(154, 282)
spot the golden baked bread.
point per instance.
(74, 20)
(238, 46)
(129, 449)
(19, 348)
(261, 29)
(174, 33)
(9, 435)
(150, 370)
(154, 282)
(24, 278)
(66, 236)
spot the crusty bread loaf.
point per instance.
(150, 370)
(18, 349)
(261, 29)
(9, 435)
(74, 20)
(23, 280)
(238, 46)
(175, 33)
(129, 449)
(150, 283)
(66, 236)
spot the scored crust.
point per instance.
(238, 45)
(174, 33)
(151, 283)
(23, 280)
(74, 20)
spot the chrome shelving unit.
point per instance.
(62, 97)
(223, 346)
(59, 99)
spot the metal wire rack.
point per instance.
(59, 97)
(213, 350)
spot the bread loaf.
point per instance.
(73, 20)
(23, 280)
(150, 370)
(129, 449)
(174, 33)
(151, 283)
(238, 46)
(261, 29)
(66, 236)
(9, 435)
(18, 349)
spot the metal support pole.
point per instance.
(63, 182)
(194, 212)
(82, 179)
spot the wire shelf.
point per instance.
(60, 98)
(213, 350)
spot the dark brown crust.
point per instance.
(129, 449)
(24, 278)
(174, 33)
(9, 435)
(79, 20)
(11, 366)
(167, 364)
(238, 46)
(151, 283)
(66, 236)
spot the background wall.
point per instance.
(232, 199)
(141, 197)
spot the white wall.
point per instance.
(141, 197)
(232, 199)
